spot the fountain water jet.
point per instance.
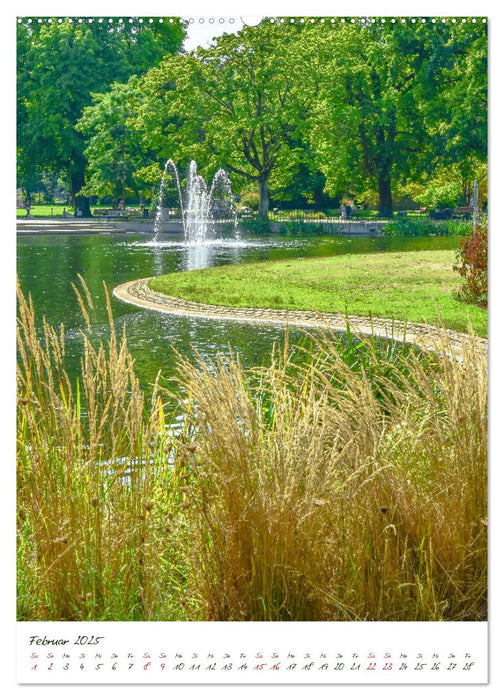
(159, 209)
(200, 207)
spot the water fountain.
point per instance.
(201, 207)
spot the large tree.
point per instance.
(459, 116)
(371, 105)
(60, 63)
(114, 151)
(235, 105)
(384, 92)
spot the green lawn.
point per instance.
(43, 210)
(412, 286)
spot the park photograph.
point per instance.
(252, 319)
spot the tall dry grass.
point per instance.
(96, 492)
(328, 492)
(334, 484)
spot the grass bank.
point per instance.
(344, 481)
(414, 286)
(40, 211)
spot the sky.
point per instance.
(201, 30)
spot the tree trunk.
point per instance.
(385, 194)
(80, 202)
(263, 196)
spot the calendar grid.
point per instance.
(365, 653)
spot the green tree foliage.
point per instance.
(59, 65)
(459, 115)
(300, 111)
(384, 91)
(114, 151)
(452, 185)
(236, 105)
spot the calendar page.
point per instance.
(253, 652)
(252, 347)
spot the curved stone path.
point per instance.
(138, 292)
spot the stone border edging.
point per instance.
(138, 292)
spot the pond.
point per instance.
(47, 265)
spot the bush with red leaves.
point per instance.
(472, 264)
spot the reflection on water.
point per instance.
(48, 265)
(157, 262)
(198, 257)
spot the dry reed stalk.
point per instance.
(89, 476)
(349, 485)
(323, 492)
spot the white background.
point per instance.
(7, 280)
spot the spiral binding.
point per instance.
(232, 20)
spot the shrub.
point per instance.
(250, 199)
(456, 227)
(304, 228)
(254, 225)
(472, 264)
(439, 196)
(423, 226)
(228, 228)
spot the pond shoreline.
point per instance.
(26, 226)
(428, 337)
